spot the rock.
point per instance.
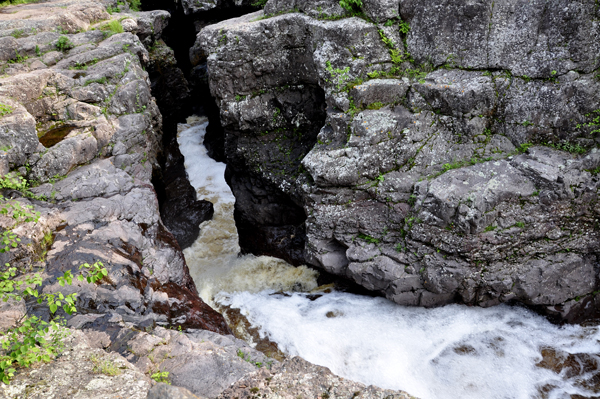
(99, 141)
(510, 33)
(165, 391)
(78, 373)
(297, 377)
(464, 176)
(203, 362)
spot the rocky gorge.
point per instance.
(430, 153)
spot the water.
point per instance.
(450, 352)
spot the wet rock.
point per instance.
(184, 213)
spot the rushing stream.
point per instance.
(449, 352)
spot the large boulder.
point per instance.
(443, 170)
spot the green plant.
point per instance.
(368, 238)
(18, 58)
(17, 33)
(339, 77)
(520, 225)
(396, 56)
(5, 109)
(64, 44)
(259, 3)
(404, 27)
(18, 183)
(33, 339)
(115, 26)
(239, 98)
(38, 52)
(353, 6)
(524, 147)
(594, 122)
(135, 5)
(462, 163)
(106, 367)
(376, 105)
(161, 376)
(6, 3)
(92, 273)
(569, 147)
(526, 123)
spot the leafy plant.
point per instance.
(5, 109)
(64, 44)
(404, 27)
(135, 5)
(33, 339)
(353, 6)
(161, 376)
(339, 77)
(106, 367)
(259, 3)
(368, 238)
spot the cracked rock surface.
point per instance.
(451, 154)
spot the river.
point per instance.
(450, 352)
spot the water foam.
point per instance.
(449, 352)
(213, 258)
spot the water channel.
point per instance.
(449, 352)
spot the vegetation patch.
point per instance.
(64, 44)
(5, 109)
(7, 3)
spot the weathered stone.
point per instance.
(425, 187)
(78, 373)
(297, 377)
(166, 391)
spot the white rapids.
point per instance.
(449, 352)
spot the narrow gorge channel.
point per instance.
(450, 352)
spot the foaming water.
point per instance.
(213, 258)
(450, 352)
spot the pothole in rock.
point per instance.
(55, 135)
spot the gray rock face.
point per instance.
(78, 373)
(88, 131)
(166, 391)
(298, 378)
(468, 175)
(531, 39)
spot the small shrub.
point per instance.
(64, 44)
(106, 367)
